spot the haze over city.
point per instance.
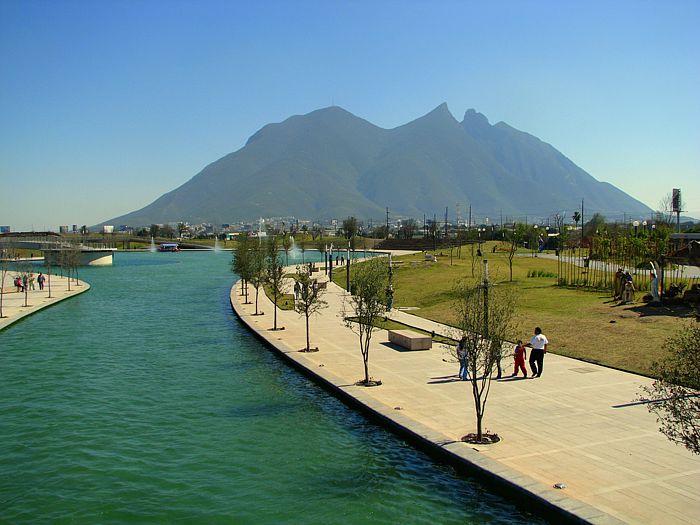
(107, 106)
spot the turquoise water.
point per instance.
(145, 401)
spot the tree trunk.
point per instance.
(308, 346)
(256, 300)
(274, 308)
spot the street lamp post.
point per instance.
(636, 225)
(348, 270)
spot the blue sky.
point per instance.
(106, 105)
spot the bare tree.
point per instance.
(308, 300)
(485, 320)
(664, 215)
(408, 229)
(517, 235)
(367, 303)
(674, 397)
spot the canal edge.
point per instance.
(527, 493)
(6, 322)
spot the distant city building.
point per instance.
(75, 228)
(108, 228)
(4, 229)
(63, 229)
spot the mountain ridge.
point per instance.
(330, 163)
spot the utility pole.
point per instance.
(470, 216)
(387, 222)
(348, 270)
(445, 222)
(581, 223)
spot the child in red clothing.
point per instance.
(520, 359)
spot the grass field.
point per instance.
(587, 325)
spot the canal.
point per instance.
(145, 400)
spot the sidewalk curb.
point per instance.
(528, 493)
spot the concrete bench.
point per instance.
(410, 340)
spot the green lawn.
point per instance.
(583, 324)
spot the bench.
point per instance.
(410, 340)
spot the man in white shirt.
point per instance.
(539, 344)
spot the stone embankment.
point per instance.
(577, 427)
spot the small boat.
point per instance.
(169, 247)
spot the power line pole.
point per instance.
(445, 222)
(387, 222)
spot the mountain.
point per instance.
(332, 164)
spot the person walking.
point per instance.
(462, 356)
(520, 355)
(539, 344)
(41, 280)
(297, 291)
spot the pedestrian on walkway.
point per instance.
(41, 279)
(539, 344)
(297, 291)
(462, 357)
(520, 355)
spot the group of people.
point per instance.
(623, 286)
(25, 282)
(538, 345)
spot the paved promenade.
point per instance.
(13, 308)
(578, 424)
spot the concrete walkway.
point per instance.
(13, 302)
(578, 424)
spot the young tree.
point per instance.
(675, 395)
(6, 256)
(350, 227)
(287, 242)
(74, 255)
(316, 231)
(257, 271)
(517, 235)
(64, 262)
(367, 302)
(274, 274)
(242, 262)
(485, 320)
(309, 300)
(48, 262)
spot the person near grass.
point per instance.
(628, 289)
(520, 355)
(618, 283)
(539, 344)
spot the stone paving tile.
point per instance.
(577, 424)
